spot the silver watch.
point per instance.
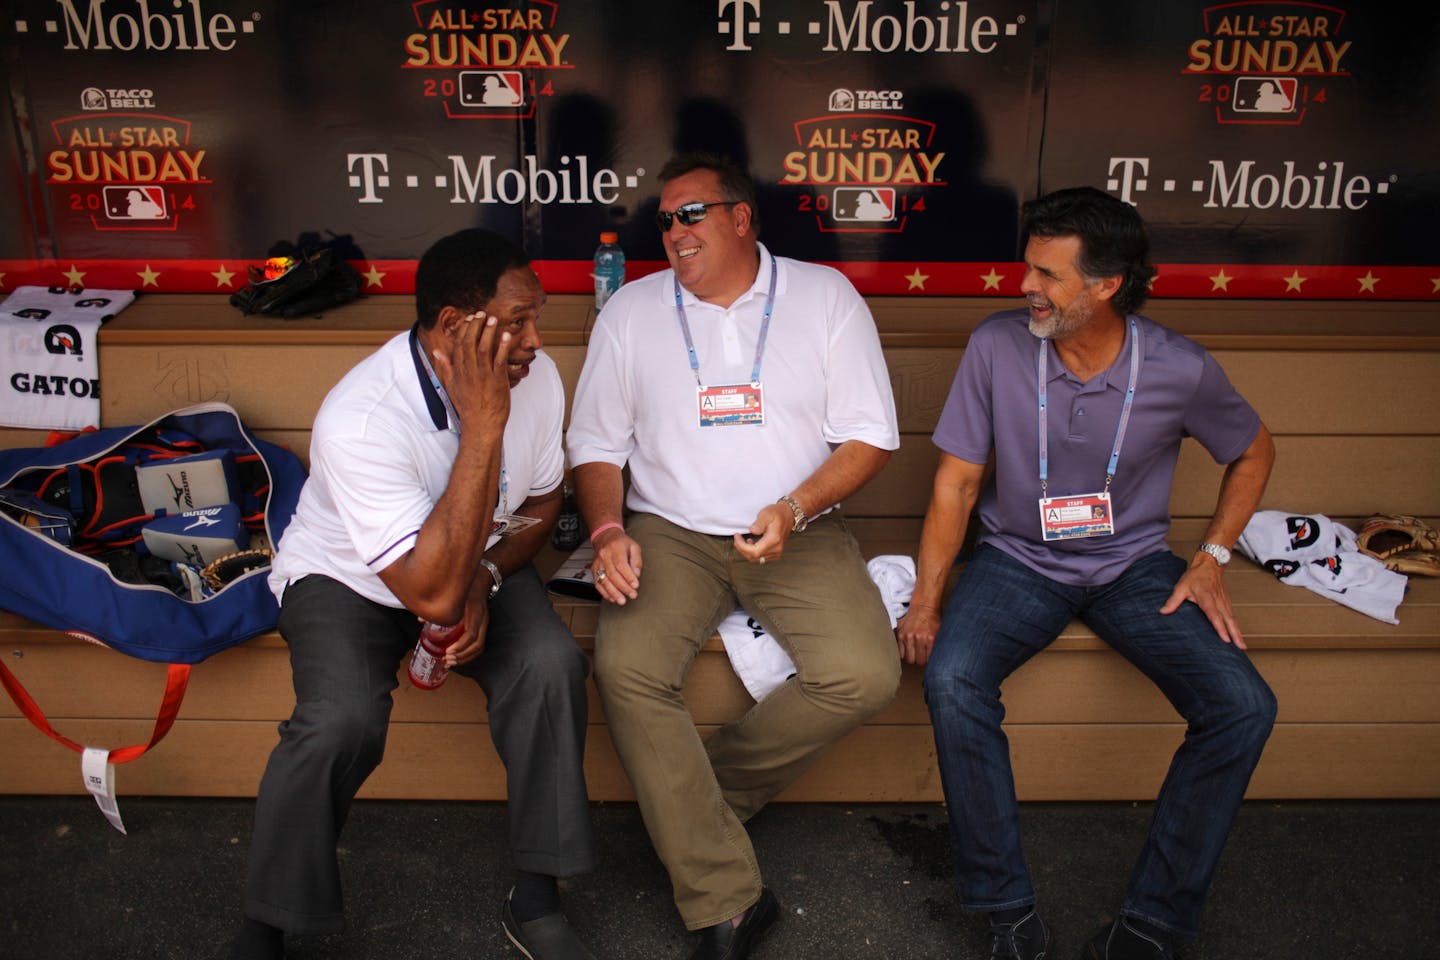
(495, 578)
(1221, 554)
(801, 521)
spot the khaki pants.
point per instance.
(821, 605)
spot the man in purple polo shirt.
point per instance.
(1083, 405)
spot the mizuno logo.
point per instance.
(182, 489)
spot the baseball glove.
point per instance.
(1404, 544)
(230, 567)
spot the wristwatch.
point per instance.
(801, 521)
(1221, 554)
(495, 578)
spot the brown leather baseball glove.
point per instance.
(1404, 544)
(225, 569)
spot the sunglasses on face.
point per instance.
(688, 214)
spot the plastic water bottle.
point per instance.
(427, 663)
(609, 268)
(569, 530)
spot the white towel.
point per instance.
(762, 664)
(1313, 552)
(755, 656)
(894, 574)
(49, 361)
(1296, 538)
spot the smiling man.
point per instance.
(748, 396)
(1082, 404)
(415, 457)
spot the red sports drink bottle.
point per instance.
(427, 664)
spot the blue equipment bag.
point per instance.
(73, 588)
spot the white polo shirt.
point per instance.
(380, 457)
(824, 376)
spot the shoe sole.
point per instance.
(511, 928)
(515, 940)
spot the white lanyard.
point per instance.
(759, 342)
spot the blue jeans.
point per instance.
(1001, 614)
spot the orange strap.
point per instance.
(176, 679)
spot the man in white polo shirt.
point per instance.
(415, 456)
(748, 396)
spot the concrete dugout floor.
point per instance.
(1313, 880)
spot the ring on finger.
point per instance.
(600, 576)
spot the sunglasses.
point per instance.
(688, 214)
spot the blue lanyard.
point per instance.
(1124, 411)
(453, 421)
(759, 343)
(451, 417)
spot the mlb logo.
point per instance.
(863, 204)
(492, 88)
(1265, 94)
(135, 202)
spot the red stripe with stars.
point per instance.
(934, 279)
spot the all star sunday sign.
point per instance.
(1281, 150)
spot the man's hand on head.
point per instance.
(472, 364)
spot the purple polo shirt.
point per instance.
(994, 405)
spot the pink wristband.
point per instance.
(603, 527)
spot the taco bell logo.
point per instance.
(878, 100)
(94, 98)
(848, 101)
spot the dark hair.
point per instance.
(463, 271)
(1112, 238)
(735, 183)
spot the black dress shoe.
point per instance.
(726, 941)
(545, 938)
(1025, 939)
(1123, 941)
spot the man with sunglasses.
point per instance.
(748, 395)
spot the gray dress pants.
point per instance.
(344, 655)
